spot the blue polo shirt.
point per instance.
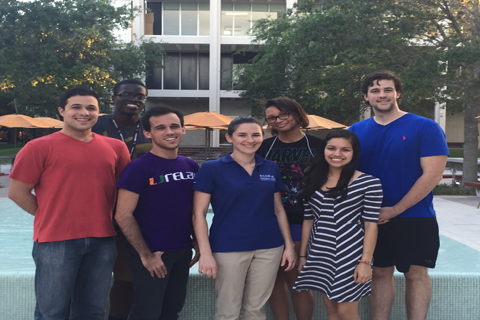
(244, 217)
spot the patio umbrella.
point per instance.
(21, 121)
(317, 123)
(54, 122)
(209, 121)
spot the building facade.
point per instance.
(200, 39)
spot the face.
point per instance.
(80, 113)
(338, 152)
(127, 99)
(246, 139)
(281, 125)
(382, 96)
(166, 131)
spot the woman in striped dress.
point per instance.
(340, 227)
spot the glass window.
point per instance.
(171, 72)
(203, 71)
(243, 16)
(226, 26)
(171, 19)
(189, 19)
(260, 7)
(278, 7)
(189, 71)
(204, 23)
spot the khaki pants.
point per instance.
(245, 282)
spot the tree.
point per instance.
(452, 28)
(319, 55)
(47, 46)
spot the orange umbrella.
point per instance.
(54, 122)
(208, 121)
(317, 123)
(22, 121)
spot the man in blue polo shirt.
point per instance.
(154, 211)
(408, 154)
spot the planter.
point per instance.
(149, 18)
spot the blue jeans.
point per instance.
(75, 273)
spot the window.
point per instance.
(186, 19)
(238, 18)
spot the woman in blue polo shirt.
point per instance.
(250, 234)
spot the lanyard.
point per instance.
(123, 139)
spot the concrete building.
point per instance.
(200, 38)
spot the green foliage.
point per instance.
(318, 55)
(448, 189)
(47, 46)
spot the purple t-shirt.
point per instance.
(164, 209)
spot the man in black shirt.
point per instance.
(128, 98)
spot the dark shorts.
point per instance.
(403, 242)
(296, 232)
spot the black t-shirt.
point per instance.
(293, 160)
(105, 126)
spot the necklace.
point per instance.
(135, 137)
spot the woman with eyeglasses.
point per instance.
(293, 151)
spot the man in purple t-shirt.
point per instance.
(154, 211)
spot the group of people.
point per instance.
(292, 213)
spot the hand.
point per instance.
(301, 263)
(387, 213)
(196, 257)
(208, 266)
(289, 258)
(363, 273)
(154, 264)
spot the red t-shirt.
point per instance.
(75, 184)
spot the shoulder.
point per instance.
(267, 143)
(313, 140)
(101, 124)
(361, 124)
(369, 180)
(191, 163)
(116, 144)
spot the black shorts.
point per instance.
(403, 242)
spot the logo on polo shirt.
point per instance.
(267, 177)
(176, 176)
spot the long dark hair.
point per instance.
(317, 176)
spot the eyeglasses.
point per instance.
(129, 96)
(281, 116)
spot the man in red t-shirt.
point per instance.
(73, 173)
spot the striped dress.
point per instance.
(336, 241)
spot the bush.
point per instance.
(448, 189)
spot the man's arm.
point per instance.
(126, 204)
(21, 193)
(433, 168)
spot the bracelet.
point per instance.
(302, 256)
(366, 262)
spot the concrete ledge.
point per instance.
(455, 296)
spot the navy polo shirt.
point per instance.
(243, 205)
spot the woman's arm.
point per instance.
(363, 272)
(306, 231)
(289, 255)
(207, 265)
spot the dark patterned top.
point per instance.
(293, 160)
